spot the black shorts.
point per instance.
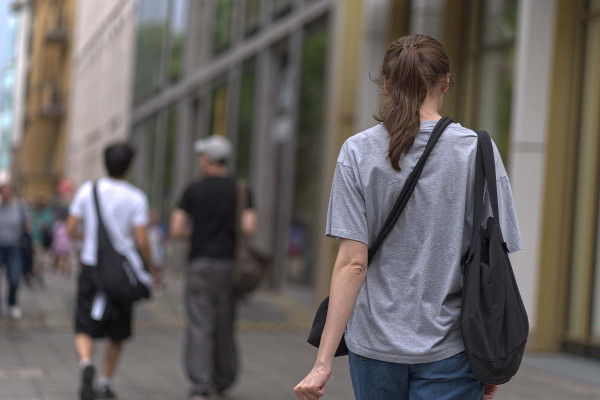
(116, 319)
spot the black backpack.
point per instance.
(123, 280)
(493, 319)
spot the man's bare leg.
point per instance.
(84, 345)
(113, 352)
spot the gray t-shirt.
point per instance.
(11, 223)
(408, 309)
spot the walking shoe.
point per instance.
(105, 392)
(86, 392)
(15, 312)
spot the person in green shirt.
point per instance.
(41, 234)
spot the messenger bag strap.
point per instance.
(409, 187)
(101, 227)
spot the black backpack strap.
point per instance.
(478, 194)
(486, 149)
(409, 186)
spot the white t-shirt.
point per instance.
(122, 206)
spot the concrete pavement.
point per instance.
(37, 360)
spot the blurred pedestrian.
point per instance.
(62, 245)
(157, 236)
(124, 210)
(206, 215)
(401, 316)
(13, 226)
(41, 232)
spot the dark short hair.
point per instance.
(118, 158)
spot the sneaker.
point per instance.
(86, 392)
(105, 392)
(15, 312)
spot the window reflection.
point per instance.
(222, 25)
(251, 17)
(496, 61)
(179, 23)
(245, 120)
(218, 115)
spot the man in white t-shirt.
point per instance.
(124, 210)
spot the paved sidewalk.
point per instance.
(37, 360)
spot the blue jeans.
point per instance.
(449, 379)
(10, 256)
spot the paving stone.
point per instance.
(37, 359)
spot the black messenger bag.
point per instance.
(314, 338)
(493, 319)
(124, 279)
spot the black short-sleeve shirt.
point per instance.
(211, 205)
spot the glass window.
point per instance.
(179, 23)
(218, 115)
(589, 123)
(152, 132)
(222, 25)
(281, 7)
(245, 120)
(499, 21)
(303, 234)
(583, 317)
(169, 166)
(427, 17)
(251, 17)
(496, 60)
(150, 35)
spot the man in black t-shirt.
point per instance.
(206, 215)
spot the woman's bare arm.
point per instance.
(348, 276)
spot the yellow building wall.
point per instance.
(40, 158)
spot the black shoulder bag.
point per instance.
(316, 331)
(124, 281)
(493, 319)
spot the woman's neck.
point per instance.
(430, 109)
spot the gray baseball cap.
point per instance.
(217, 147)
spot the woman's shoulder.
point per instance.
(456, 129)
(370, 141)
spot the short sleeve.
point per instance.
(186, 202)
(77, 207)
(140, 212)
(506, 207)
(347, 215)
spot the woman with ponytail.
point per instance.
(400, 317)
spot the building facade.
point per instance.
(39, 155)
(289, 80)
(101, 79)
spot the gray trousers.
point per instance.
(210, 355)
